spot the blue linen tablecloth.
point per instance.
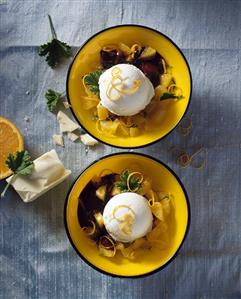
(36, 259)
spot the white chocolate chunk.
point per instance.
(65, 123)
(72, 136)
(58, 140)
(48, 172)
(66, 104)
(88, 140)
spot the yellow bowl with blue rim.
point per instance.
(162, 177)
(86, 61)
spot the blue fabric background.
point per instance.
(36, 259)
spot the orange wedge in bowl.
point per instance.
(11, 140)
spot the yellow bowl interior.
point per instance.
(162, 179)
(87, 60)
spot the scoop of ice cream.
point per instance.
(125, 90)
(127, 217)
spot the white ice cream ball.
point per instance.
(125, 103)
(127, 206)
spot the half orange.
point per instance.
(11, 140)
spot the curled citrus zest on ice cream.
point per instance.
(126, 221)
(121, 207)
(126, 225)
(117, 83)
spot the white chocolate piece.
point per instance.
(88, 140)
(65, 123)
(72, 136)
(48, 172)
(58, 140)
(66, 104)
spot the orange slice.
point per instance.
(11, 141)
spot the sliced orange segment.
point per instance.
(11, 141)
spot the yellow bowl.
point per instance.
(162, 177)
(86, 61)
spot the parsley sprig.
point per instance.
(19, 164)
(134, 182)
(52, 99)
(92, 81)
(55, 49)
(169, 95)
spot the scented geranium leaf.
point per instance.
(122, 186)
(52, 99)
(21, 163)
(134, 182)
(92, 81)
(54, 50)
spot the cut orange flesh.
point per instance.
(11, 141)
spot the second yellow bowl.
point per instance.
(162, 177)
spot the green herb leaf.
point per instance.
(54, 50)
(122, 184)
(19, 164)
(134, 182)
(52, 99)
(168, 96)
(92, 81)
